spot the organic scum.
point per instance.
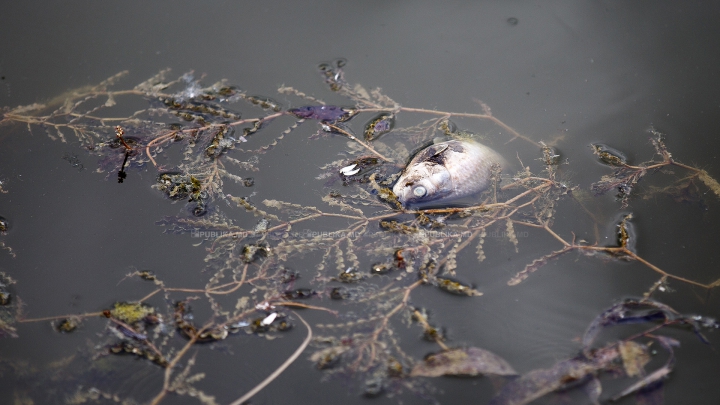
(251, 287)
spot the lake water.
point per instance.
(568, 73)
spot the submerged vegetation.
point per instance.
(373, 260)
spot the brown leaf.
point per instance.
(635, 356)
(470, 361)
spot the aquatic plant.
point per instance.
(376, 255)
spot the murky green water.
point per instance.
(564, 72)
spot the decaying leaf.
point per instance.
(538, 383)
(652, 379)
(471, 361)
(608, 155)
(635, 356)
(328, 357)
(627, 312)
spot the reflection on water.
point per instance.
(279, 211)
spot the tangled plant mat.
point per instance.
(376, 254)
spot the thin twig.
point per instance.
(280, 369)
(354, 138)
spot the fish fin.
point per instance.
(440, 149)
(434, 154)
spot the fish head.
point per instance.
(423, 182)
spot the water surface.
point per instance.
(571, 73)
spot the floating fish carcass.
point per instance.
(446, 171)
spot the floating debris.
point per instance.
(550, 155)
(200, 111)
(261, 226)
(131, 312)
(375, 385)
(252, 252)
(456, 287)
(130, 333)
(288, 276)
(471, 361)
(221, 141)
(398, 227)
(67, 325)
(265, 103)
(273, 322)
(339, 293)
(177, 186)
(350, 275)
(300, 293)
(378, 126)
(350, 170)
(328, 357)
(626, 232)
(358, 171)
(5, 296)
(381, 268)
(123, 141)
(332, 72)
(183, 322)
(323, 113)
(137, 349)
(370, 223)
(74, 161)
(608, 155)
(269, 319)
(237, 326)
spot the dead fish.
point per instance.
(446, 171)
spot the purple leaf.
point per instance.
(649, 381)
(324, 113)
(538, 383)
(626, 312)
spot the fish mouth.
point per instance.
(421, 184)
(403, 192)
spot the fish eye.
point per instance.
(419, 191)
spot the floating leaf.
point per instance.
(328, 357)
(609, 155)
(653, 378)
(626, 232)
(538, 383)
(456, 287)
(380, 125)
(470, 361)
(323, 113)
(131, 312)
(635, 356)
(627, 312)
